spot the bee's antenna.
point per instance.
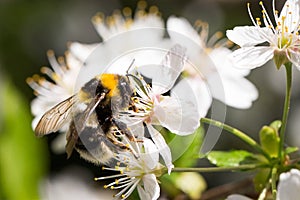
(131, 64)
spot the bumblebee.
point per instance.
(94, 131)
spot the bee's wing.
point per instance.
(92, 106)
(54, 118)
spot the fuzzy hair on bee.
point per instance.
(94, 131)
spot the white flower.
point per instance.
(137, 171)
(71, 184)
(209, 66)
(260, 43)
(62, 85)
(289, 184)
(288, 187)
(123, 34)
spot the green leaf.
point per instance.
(231, 158)
(261, 178)
(269, 140)
(290, 150)
(23, 157)
(185, 150)
(276, 125)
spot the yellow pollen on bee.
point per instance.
(109, 81)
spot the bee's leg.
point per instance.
(117, 138)
(122, 127)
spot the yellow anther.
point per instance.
(153, 10)
(98, 18)
(50, 53)
(61, 59)
(142, 5)
(127, 12)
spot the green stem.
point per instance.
(216, 169)
(274, 179)
(288, 67)
(237, 133)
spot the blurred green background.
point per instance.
(29, 28)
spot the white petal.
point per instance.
(171, 67)
(197, 91)
(251, 57)
(294, 57)
(237, 197)
(246, 36)
(291, 13)
(219, 56)
(176, 25)
(82, 51)
(236, 92)
(150, 189)
(162, 147)
(289, 184)
(151, 156)
(180, 116)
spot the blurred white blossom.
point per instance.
(60, 86)
(71, 184)
(209, 72)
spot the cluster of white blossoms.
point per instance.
(184, 78)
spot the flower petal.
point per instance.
(180, 25)
(196, 91)
(150, 189)
(291, 15)
(246, 36)
(294, 57)
(162, 147)
(82, 51)
(151, 156)
(172, 66)
(251, 57)
(180, 116)
(236, 92)
(289, 184)
(219, 56)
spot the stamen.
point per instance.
(267, 20)
(250, 15)
(53, 62)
